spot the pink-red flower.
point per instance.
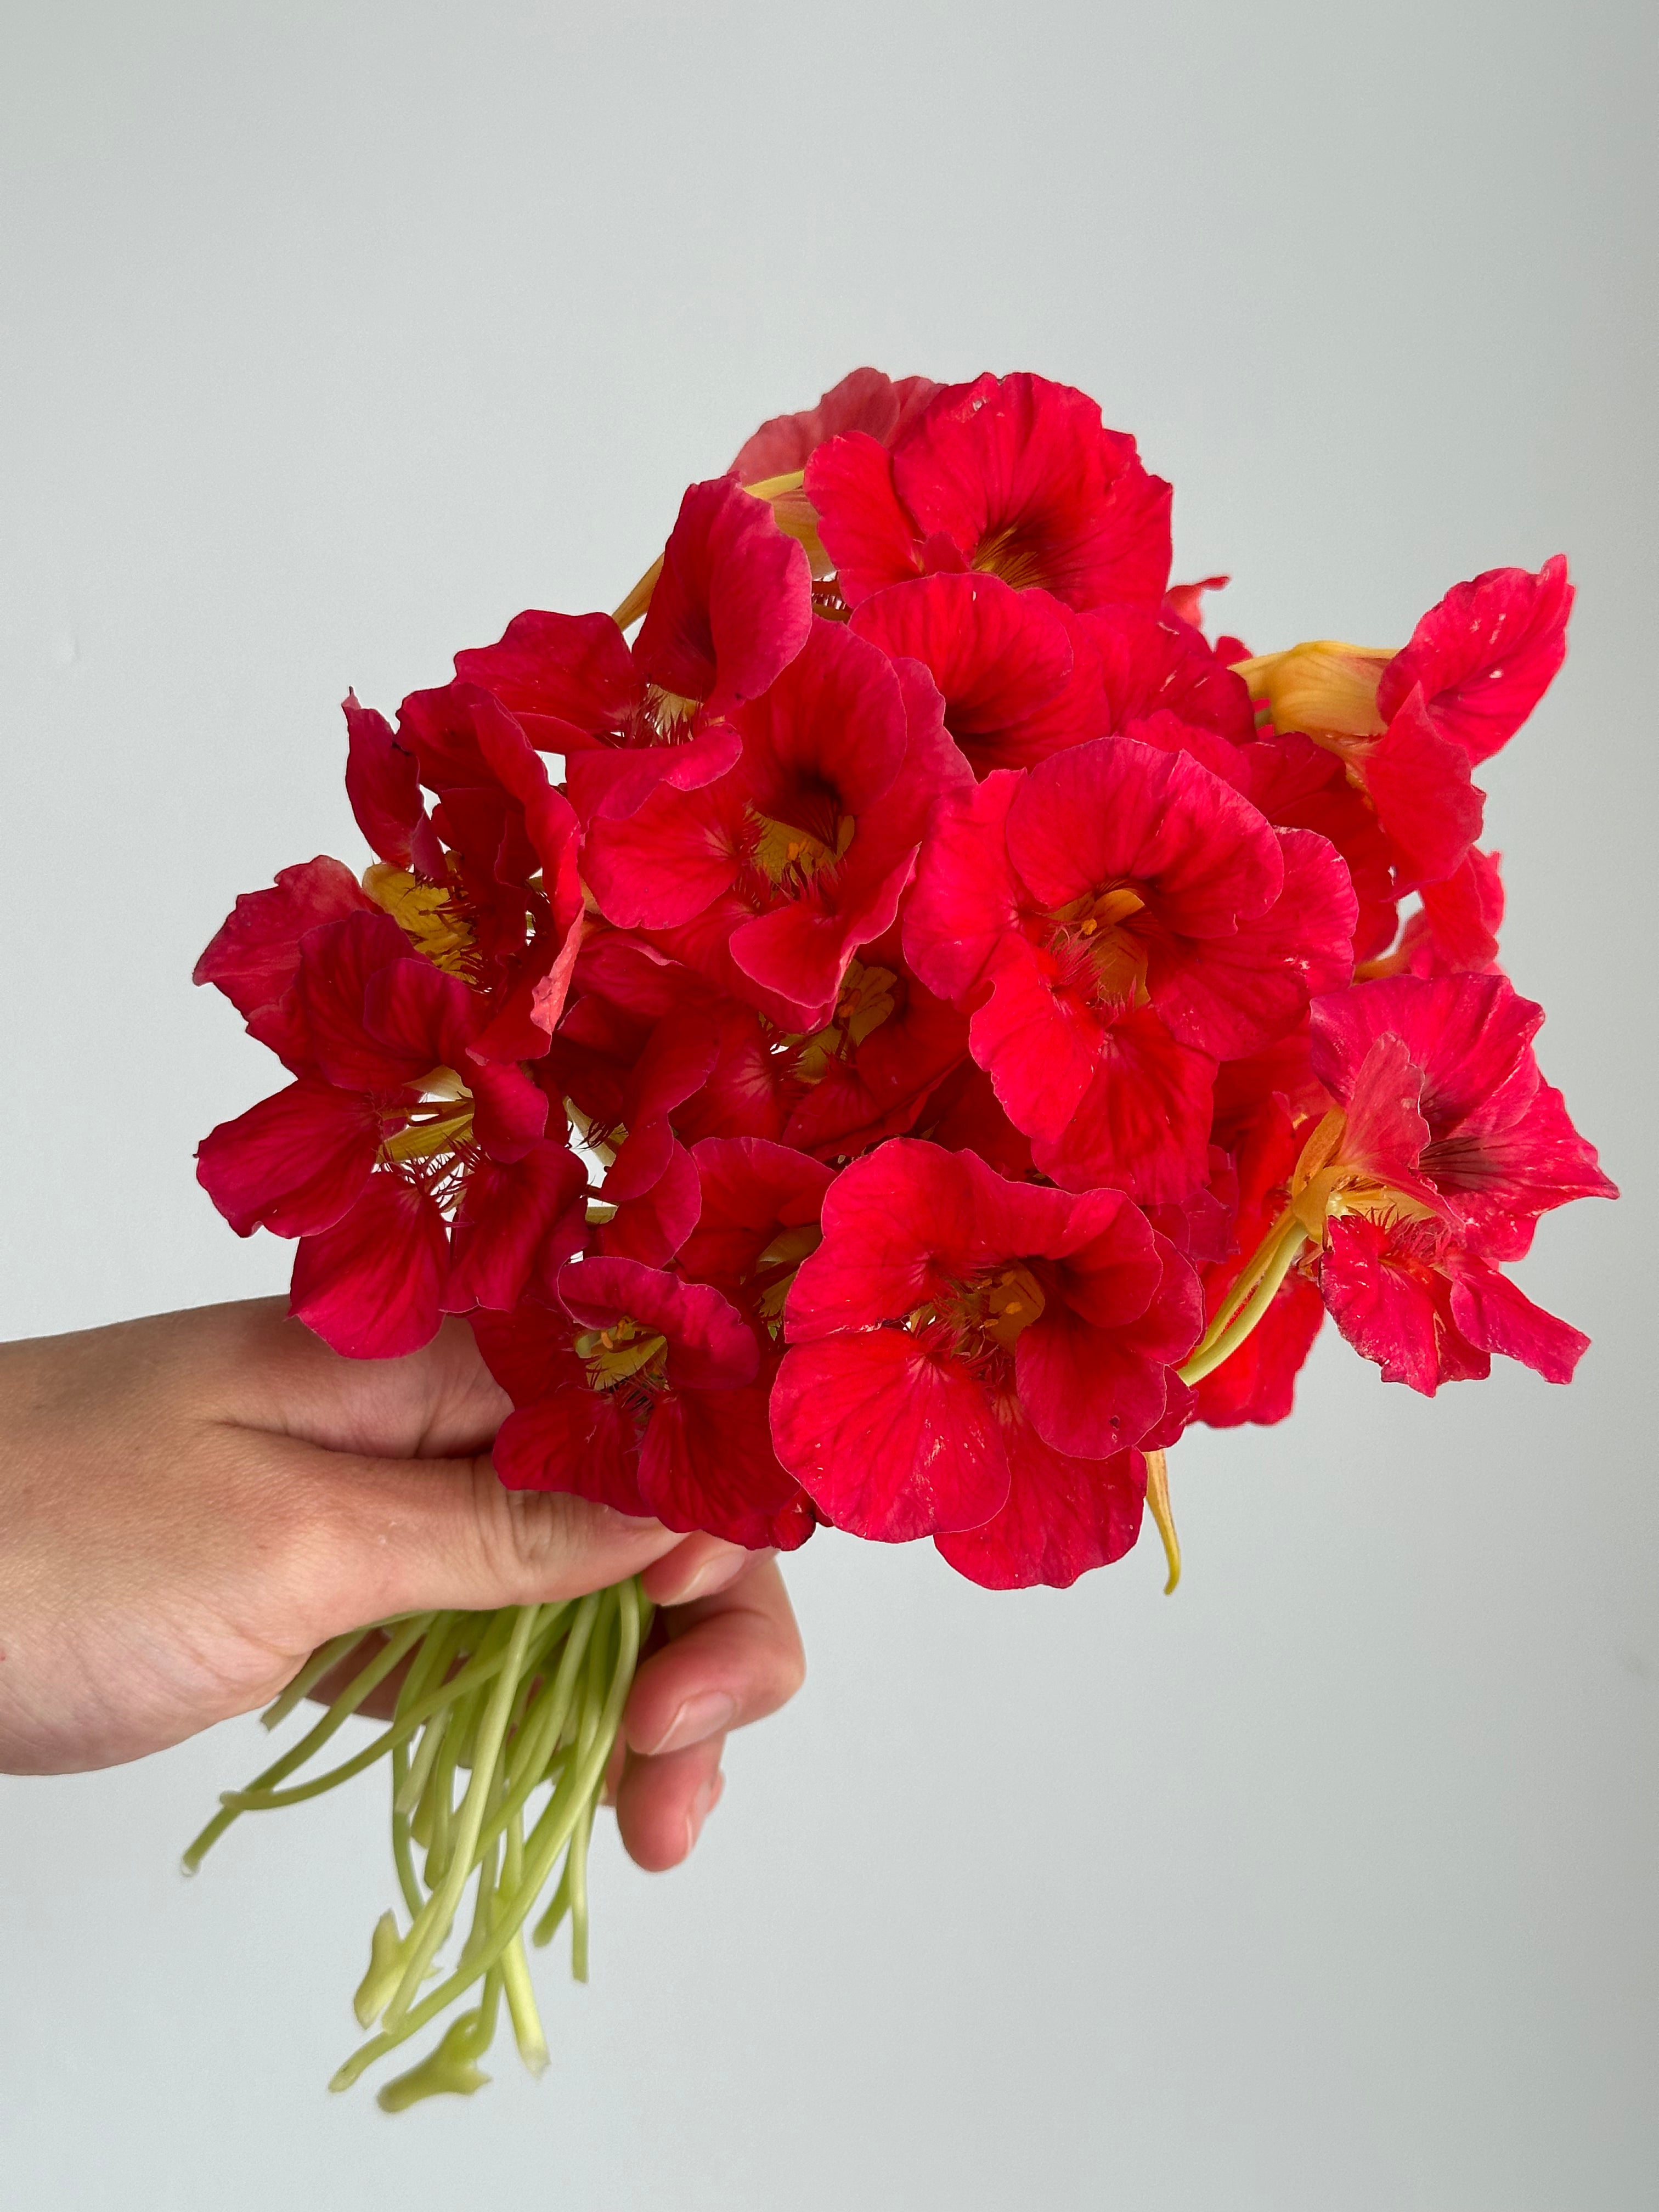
(1017, 677)
(1497, 1148)
(866, 401)
(486, 884)
(1444, 1148)
(1117, 919)
(941, 1291)
(770, 880)
(645, 1393)
(729, 611)
(1428, 1311)
(367, 1154)
(1015, 476)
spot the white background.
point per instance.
(334, 335)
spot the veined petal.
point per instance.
(706, 1463)
(1143, 1124)
(734, 603)
(515, 1222)
(1485, 656)
(294, 1163)
(369, 1285)
(889, 1437)
(1063, 1516)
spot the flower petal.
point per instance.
(369, 1285)
(889, 1435)
(1063, 1517)
(295, 1162)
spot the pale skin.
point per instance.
(190, 1505)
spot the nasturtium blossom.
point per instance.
(941, 1289)
(770, 878)
(885, 1031)
(1118, 919)
(642, 1393)
(369, 1150)
(730, 609)
(1015, 476)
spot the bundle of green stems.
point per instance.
(494, 1708)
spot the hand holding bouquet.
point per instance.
(888, 1048)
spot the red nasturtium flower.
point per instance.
(486, 884)
(1015, 476)
(770, 878)
(1118, 919)
(647, 1393)
(366, 1154)
(1445, 1147)
(948, 1308)
(730, 609)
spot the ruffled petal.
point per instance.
(516, 1224)
(707, 1463)
(294, 1163)
(1494, 1314)
(255, 956)
(866, 400)
(369, 1285)
(1485, 656)
(889, 1435)
(734, 603)
(1419, 782)
(710, 1346)
(577, 1440)
(1143, 1124)
(1063, 1517)
(1000, 658)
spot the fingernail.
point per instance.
(702, 1806)
(707, 1714)
(713, 1575)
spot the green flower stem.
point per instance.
(578, 1788)
(527, 1699)
(1222, 1345)
(452, 2069)
(576, 1857)
(551, 1921)
(540, 1742)
(361, 1684)
(439, 1909)
(402, 1852)
(577, 1861)
(411, 1717)
(255, 1800)
(1248, 1276)
(319, 1664)
(527, 2031)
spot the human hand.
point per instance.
(190, 1503)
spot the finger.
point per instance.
(730, 1659)
(353, 1539)
(662, 1804)
(696, 1568)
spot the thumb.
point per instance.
(371, 1537)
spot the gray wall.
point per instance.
(337, 333)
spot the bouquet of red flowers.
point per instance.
(887, 1048)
